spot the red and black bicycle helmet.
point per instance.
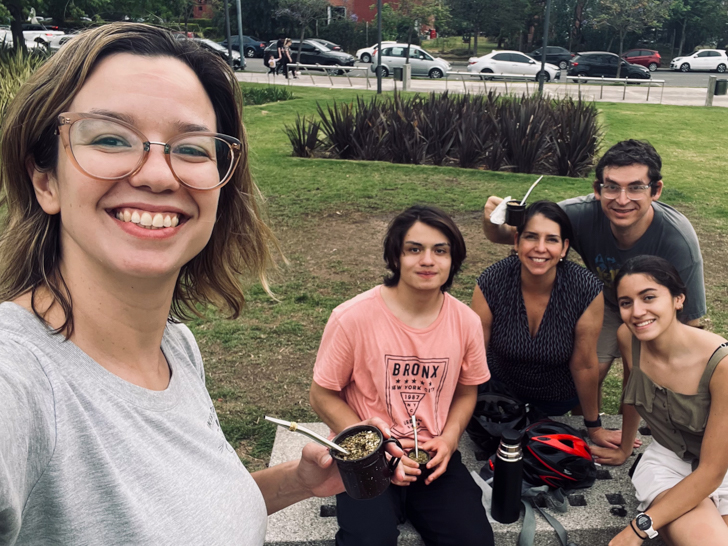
(554, 454)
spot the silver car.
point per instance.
(423, 64)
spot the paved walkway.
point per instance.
(683, 96)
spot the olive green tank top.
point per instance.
(677, 420)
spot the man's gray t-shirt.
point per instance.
(669, 236)
(87, 458)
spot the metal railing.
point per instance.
(602, 80)
(505, 78)
(328, 69)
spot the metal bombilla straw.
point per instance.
(295, 427)
(414, 427)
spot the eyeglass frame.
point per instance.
(625, 189)
(67, 119)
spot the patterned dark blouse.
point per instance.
(536, 369)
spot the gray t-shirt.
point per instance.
(87, 458)
(670, 236)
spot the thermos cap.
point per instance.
(511, 436)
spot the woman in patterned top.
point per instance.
(541, 319)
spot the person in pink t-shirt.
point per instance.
(407, 348)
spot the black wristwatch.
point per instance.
(644, 523)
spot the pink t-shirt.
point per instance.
(386, 369)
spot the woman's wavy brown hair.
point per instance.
(30, 252)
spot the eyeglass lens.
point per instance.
(635, 193)
(106, 149)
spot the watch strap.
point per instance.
(593, 424)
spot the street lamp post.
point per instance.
(379, 47)
(227, 34)
(240, 33)
(542, 74)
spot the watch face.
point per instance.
(644, 522)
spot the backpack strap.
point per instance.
(555, 500)
(719, 354)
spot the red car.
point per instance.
(644, 57)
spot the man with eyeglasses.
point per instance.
(621, 219)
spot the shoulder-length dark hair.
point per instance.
(553, 212)
(30, 252)
(662, 271)
(432, 217)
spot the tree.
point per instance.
(303, 13)
(418, 12)
(626, 16)
(473, 15)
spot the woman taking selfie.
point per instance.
(541, 318)
(128, 203)
(678, 383)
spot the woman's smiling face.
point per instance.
(161, 97)
(540, 246)
(647, 307)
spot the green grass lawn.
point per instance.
(330, 216)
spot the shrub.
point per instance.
(526, 126)
(16, 66)
(303, 136)
(575, 137)
(371, 137)
(339, 128)
(253, 96)
(526, 134)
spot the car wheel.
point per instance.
(486, 71)
(366, 58)
(685, 67)
(436, 74)
(546, 76)
(563, 65)
(721, 68)
(652, 67)
(249, 52)
(383, 70)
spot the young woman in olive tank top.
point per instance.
(678, 383)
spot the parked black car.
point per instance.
(222, 52)
(554, 55)
(331, 45)
(252, 47)
(316, 53)
(594, 64)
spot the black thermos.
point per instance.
(507, 477)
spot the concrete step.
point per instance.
(594, 517)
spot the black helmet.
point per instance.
(495, 412)
(554, 454)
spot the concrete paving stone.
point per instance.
(594, 517)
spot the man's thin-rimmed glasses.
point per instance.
(635, 193)
(106, 148)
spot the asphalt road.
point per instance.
(672, 79)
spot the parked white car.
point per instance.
(56, 42)
(423, 64)
(703, 59)
(510, 63)
(40, 34)
(6, 37)
(365, 54)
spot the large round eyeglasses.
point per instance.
(106, 148)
